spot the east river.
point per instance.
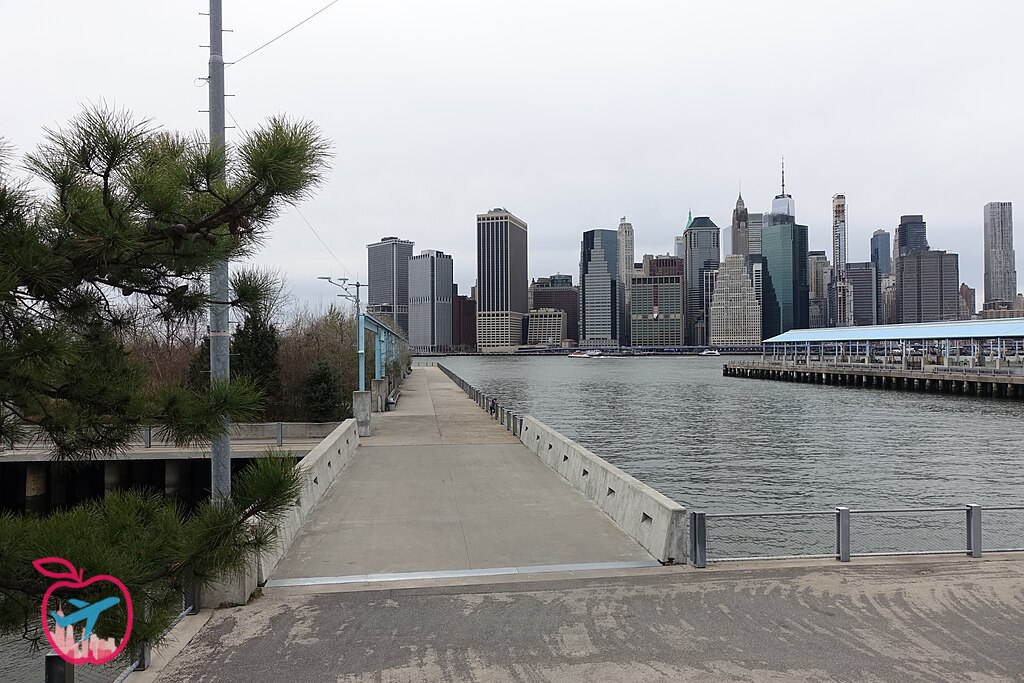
(724, 444)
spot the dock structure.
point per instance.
(963, 381)
(974, 357)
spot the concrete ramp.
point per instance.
(442, 491)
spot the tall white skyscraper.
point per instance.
(1000, 263)
(502, 282)
(625, 239)
(430, 301)
(839, 235)
(735, 310)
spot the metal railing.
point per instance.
(861, 365)
(512, 421)
(844, 533)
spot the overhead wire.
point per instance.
(301, 215)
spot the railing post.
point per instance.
(974, 530)
(145, 659)
(147, 437)
(56, 670)
(843, 534)
(280, 433)
(698, 540)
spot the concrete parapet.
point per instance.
(321, 467)
(654, 521)
(378, 394)
(361, 407)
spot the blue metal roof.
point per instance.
(1004, 328)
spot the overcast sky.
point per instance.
(570, 114)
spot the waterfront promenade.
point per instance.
(363, 593)
(919, 620)
(442, 491)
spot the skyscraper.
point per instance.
(702, 254)
(968, 302)
(501, 265)
(735, 312)
(838, 236)
(601, 292)
(755, 222)
(388, 279)
(817, 285)
(556, 292)
(463, 321)
(739, 234)
(1000, 264)
(911, 235)
(625, 240)
(785, 298)
(881, 252)
(658, 302)
(430, 301)
(865, 289)
(927, 286)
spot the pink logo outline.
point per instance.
(62, 640)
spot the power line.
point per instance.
(312, 229)
(282, 35)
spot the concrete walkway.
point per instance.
(949, 619)
(443, 491)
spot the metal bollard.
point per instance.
(147, 437)
(56, 670)
(974, 530)
(843, 534)
(280, 433)
(698, 540)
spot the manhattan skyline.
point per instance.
(605, 112)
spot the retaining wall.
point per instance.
(322, 466)
(654, 521)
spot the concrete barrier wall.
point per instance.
(654, 521)
(242, 430)
(322, 465)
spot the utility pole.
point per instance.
(360, 322)
(220, 335)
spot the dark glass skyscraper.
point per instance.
(785, 297)
(881, 252)
(911, 235)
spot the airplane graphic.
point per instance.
(86, 612)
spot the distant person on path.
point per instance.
(494, 406)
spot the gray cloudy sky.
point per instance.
(570, 114)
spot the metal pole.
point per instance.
(974, 530)
(698, 540)
(220, 339)
(56, 670)
(843, 534)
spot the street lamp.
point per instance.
(344, 284)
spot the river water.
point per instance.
(724, 444)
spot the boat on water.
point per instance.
(592, 353)
(709, 352)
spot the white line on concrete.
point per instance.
(460, 573)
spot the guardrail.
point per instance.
(512, 421)
(654, 521)
(736, 536)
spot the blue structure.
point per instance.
(387, 345)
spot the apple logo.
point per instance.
(86, 648)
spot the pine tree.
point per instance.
(132, 214)
(322, 391)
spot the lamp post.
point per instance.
(344, 284)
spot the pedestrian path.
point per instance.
(442, 491)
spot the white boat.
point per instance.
(592, 353)
(709, 352)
